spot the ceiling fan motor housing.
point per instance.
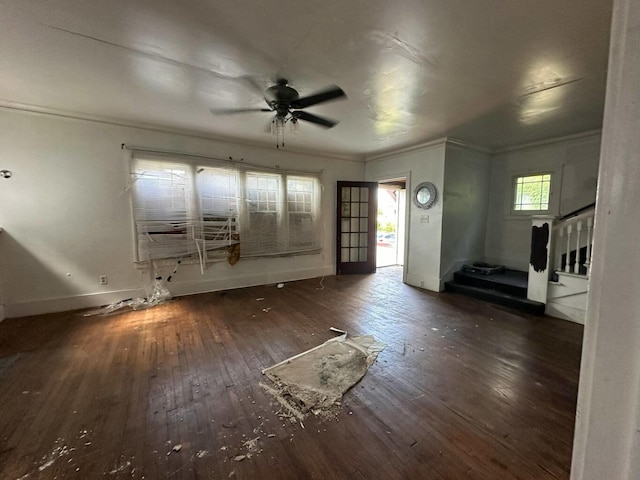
(279, 97)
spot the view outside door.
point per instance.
(356, 228)
(390, 225)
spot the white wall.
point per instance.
(607, 437)
(424, 227)
(66, 219)
(574, 163)
(465, 208)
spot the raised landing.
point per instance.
(507, 288)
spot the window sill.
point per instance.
(171, 262)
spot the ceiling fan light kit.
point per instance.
(287, 105)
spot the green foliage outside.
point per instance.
(532, 193)
(384, 226)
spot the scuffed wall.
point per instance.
(67, 218)
(424, 227)
(574, 164)
(465, 209)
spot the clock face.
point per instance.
(424, 195)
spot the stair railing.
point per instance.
(571, 235)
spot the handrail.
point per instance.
(566, 221)
(578, 211)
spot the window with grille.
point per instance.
(264, 205)
(301, 194)
(532, 193)
(189, 210)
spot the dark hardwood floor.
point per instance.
(464, 389)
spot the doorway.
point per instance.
(391, 225)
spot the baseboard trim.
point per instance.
(262, 278)
(428, 283)
(77, 302)
(566, 312)
(63, 304)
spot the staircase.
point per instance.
(507, 288)
(557, 284)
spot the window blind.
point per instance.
(191, 209)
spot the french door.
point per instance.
(356, 227)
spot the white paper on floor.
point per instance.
(315, 380)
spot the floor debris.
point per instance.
(314, 381)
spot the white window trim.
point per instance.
(510, 213)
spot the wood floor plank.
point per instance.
(464, 389)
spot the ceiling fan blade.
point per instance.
(231, 111)
(309, 117)
(330, 93)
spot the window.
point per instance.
(190, 210)
(301, 194)
(264, 206)
(162, 210)
(218, 194)
(532, 193)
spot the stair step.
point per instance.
(498, 297)
(511, 282)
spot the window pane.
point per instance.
(164, 210)
(363, 239)
(532, 193)
(261, 234)
(303, 232)
(346, 209)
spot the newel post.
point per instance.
(539, 265)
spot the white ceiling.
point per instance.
(493, 73)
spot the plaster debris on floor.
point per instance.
(315, 380)
(156, 293)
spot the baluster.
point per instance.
(576, 265)
(587, 261)
(558, 252)
(567, 265)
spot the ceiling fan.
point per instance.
(286, 103)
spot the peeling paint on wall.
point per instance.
(539, 243)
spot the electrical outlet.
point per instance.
(103, 279)
(422, 283)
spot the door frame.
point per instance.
(407, 212)
(369, 265)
